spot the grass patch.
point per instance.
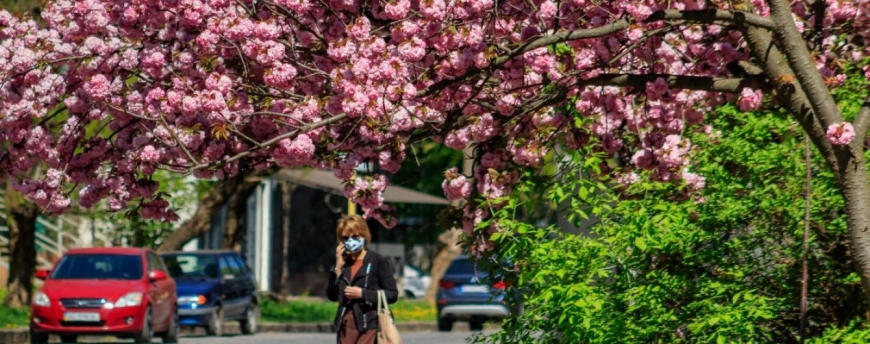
(11, 317)
(320, 310)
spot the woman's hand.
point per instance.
(339, 258)
(353, 293)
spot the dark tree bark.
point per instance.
(234, 231)
(200, 222)
(287, 189)
(22, 248)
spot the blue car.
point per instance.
(466, 293)
(214, 287)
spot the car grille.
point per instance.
(83, 303)
(83, 323)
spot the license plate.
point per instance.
(80, 316)
(475, 289)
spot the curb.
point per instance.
(22, 334)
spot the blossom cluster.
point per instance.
(107, 92)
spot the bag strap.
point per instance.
(383, 295)
(380, 302)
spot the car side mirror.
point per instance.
(42, 274)
(157, 275)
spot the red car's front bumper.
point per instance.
(124, 320)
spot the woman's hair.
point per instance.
(354, 224)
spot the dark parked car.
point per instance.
(469, 294)
(117, 291)
(214, 287)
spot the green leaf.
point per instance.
(640, 242)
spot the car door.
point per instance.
(230, 285)
(160, 292)
(248, 286)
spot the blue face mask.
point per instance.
(354, 245)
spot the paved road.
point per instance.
(320, 338)
(456, 337)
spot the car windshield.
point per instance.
(464, 266)
(99, 266)
(182, 266)
(461, 267)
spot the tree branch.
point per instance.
(700, 83)
(646, 36)
(177, 141)
(798, 56)
(274, 140)
(790, 96)
(713, 16)
(862, 121)
(691, 17)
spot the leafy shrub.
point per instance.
(656, 267)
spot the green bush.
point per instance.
(320, 310)
(660, 268)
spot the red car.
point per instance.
(120, 291)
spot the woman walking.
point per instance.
(355, 280)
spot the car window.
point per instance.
(99, 266)
(154, 262)
(461, 267)
(242, 264)
(191, 266)
(225, 267)
(234, 266)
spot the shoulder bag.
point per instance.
(387, 331)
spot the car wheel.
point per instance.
(38, 337)
(70, 338)
(251, 321)
(216, 322)
(147, 332)
(475, 325)
(171, 334)
(445, 325)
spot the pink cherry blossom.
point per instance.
(216, 87)
(750, 99)
(841, 133)
(455, 185)
(294, 152)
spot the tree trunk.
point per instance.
(811, 105)
(234, 231)
(200, 222)
(442, 261)
(856, 192)
(22, 248)
(286, 196)
(138, 238)
(450, 239)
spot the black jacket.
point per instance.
(376, 273)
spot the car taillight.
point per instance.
(446, 284)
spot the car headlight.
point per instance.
(41, 300)
(129, 300)
(197, 299)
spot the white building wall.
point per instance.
(263, 237)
